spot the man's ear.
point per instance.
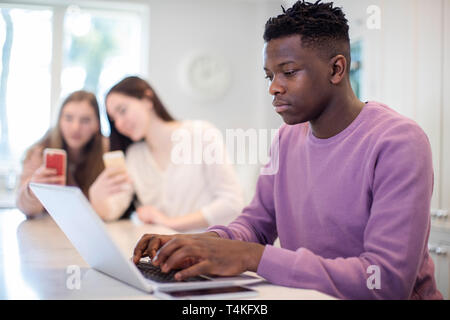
(338, 69)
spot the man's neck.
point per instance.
(340, 112)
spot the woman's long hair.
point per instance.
(90, 164)
(137, 88)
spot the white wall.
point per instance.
(445, 142)
(231, 29)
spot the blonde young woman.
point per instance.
(78, 133)
(180, 196)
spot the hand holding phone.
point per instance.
(53, 170)
(114, 179)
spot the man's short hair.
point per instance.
(320, 25)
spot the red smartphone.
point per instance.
(56, 159)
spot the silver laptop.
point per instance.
(75, 216)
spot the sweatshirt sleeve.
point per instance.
(394, 238)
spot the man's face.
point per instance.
(298, 79)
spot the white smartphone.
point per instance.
(114, 159)
(208, 293)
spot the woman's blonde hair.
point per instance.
(91, 162)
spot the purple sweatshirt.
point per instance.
(352, 212)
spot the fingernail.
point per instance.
(155, 258)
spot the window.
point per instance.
(50, 51)
(25, 78)
(100, 47)
(356, 67)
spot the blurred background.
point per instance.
(204, 58)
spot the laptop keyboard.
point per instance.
(154, 273)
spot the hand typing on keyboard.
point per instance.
(154, 273)
(198, 254)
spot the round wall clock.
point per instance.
(205, 76)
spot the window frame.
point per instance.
(59, 8)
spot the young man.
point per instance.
(351, 199)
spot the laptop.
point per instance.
(75, 216)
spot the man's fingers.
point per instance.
(141, 246)
(153, 247)
(148, 246)
(193, 271)
(178, 258)
(169, 248)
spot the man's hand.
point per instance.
(199, 254)
(149, 244)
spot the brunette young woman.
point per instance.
(183, 195)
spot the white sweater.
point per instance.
(185, 187)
